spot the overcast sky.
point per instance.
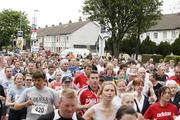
(55, 11)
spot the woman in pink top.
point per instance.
(56, 84)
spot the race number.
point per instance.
(39, 109)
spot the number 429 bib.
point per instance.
(39, 108)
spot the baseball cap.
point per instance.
(66, 79)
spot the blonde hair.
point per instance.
(121, 80)
(68, 93)
(109, 66)
(127, 96)
(108, 83)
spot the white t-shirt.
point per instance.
(43, 101)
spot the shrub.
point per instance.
(176, 58)
(146, 57)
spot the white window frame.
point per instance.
(155, 35)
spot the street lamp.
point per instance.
(34, 47)
(20, 40)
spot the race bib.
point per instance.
(39, 108)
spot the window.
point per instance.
(173, 34)
(155, 35)
(147, 34)
(165, 34)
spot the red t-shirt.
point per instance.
(175, 79)
(157, 112)
(81, 80)
(85, 96)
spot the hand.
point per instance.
(28, 103)
(2, 98)
(152, 100)
(90, 104)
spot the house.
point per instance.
(82, 34)
(166, 29)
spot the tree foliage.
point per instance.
(176, 46)
(164, 48)
(147, 46)
(121, 16)
(129, 45)
(10, 25)
(109, 45)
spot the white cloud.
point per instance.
(171, 6)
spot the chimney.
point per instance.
(70, 21)
(60, 23)
(80, 19)
(46, 26)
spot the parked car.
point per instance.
(76, 51)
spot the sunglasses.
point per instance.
(28, 79)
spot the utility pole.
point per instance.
(20, 40)
(35, 46)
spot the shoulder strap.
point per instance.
(137, 106)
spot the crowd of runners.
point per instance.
(45, 86)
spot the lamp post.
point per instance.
(34, 47)
(20, 40)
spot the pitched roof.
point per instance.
(167, 22)
(61, 29)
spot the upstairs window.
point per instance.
(165, 34)
(155, 35)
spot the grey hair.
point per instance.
(170, 82)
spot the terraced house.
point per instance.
(82, 34)
(166, 29)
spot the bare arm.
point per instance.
(19, 106)
(89, 114)
(9, 102)
(86, 106)
(153, 97)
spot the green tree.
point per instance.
(176, 46)
(121, 16)
(129, 45)
(147, 46)
(145, 17)
(164, 48)
(109, 45)
(10, 23)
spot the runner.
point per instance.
(104, 110)
(13, 96)
(67, 107)
(28, 81)
(87, 95)
(39, 99)
(126, 113)
(56, 83)
(162, 110)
